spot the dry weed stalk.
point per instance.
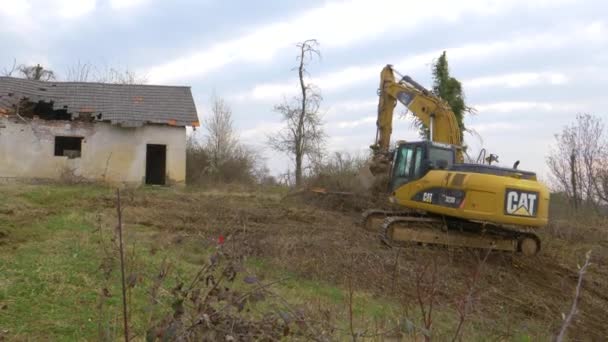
(122, 267)
(426, 293)
(395, 270)
(568, 319)
(353, 334)
(207, 308)
(465, 303)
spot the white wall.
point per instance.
(109, 152)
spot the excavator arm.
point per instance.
(434, 113)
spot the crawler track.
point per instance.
(395, 228)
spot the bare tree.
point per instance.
(219, 157)
(36, 72)
(86, 72)
(579, 159)
(81, 72)
(116, 76)
(9, 72)
(221, 141)
(303, 135)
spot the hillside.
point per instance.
(307, 260)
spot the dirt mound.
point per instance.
(342, 201)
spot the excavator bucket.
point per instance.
(373, 178)
(365, 176)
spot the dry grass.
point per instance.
(311, 242)
(324, 252)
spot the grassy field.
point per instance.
(308, 264)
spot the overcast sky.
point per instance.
(527, 66)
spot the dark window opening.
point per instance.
(70, 147)
(156, 161)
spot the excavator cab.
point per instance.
(412, 160)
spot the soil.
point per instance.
(321, 240)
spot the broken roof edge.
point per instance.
(97, 83)
(113, 122)
(160, 104)
(136, 124)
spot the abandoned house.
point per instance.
(115, 133)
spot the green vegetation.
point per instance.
(53, 255)
(449, 89)
(61, 277)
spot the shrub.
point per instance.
(338, 173)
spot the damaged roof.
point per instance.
(126, 105)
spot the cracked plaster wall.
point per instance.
(109, 153)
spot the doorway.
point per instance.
(156, 162)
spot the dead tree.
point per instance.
(303, 136)
(578, 161)
(10, 71)
(36, 73)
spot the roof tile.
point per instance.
(127, 105)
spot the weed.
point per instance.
(60, 276)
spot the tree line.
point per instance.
(577, 161)
(80, 72)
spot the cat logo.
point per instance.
(521, 203)
(427, 197)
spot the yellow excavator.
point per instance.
(443, 200)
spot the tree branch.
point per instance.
(573, 309)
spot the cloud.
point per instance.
(355, 123)
(336, 24)
(332, 81)
(273, 91)
(270, 91)
(71, 9)
(13, 15)
(126, 4)
(520, 106)
(354, 75)
(493, 127)
(597, 31)
(16, 15)
(261, 131)
(14, 8)
(350, 107)
(517, 80)
(348, 143)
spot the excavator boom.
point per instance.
(432, 111)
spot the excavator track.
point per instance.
(400, 227)
(372, 219)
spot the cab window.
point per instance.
(404, 161)
(418, 162)
(437, 153)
